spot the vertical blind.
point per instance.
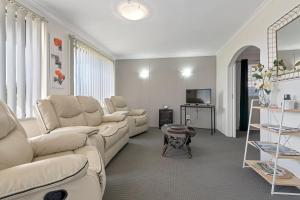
(94, 75)
(20, 57)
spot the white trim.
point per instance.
(257, 11)
(54, 16)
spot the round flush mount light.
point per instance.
(186, 72)
(133, 10)
(144, 74)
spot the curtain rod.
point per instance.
(19, 5)
(74, 38)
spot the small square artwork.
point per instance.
(57, 75)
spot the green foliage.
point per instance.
(279, 63)
(297, 63)
(257, 76)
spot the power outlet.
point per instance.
(188, 117)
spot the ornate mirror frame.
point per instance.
(272, 36)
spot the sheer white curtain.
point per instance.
(11, 56)
(21, 81)
(21, 57)
(94, 75)
(2, 50)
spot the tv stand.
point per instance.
(201, 106)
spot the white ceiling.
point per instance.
(174, 27)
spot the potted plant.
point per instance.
(280, 66)
(263, 83)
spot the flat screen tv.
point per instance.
(198, 96)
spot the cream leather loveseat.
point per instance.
(56, 166)
(137, 118)
(60, 113)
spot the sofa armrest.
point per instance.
(136, 112)
(113, 118)
(27, 178)
(55, 142)
(120, 113)
(93, 156)
(86, 130)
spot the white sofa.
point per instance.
(55, 166)
(137, 118)
(60, 113)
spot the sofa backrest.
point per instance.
(119, 103)
(64, 111)
(68, 110)
(14, 147)
(46, 115)
(109, 105)
(93, 111)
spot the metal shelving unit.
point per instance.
(282, 134)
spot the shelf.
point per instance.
(294, 181)
(276, 109)
(273, 154)
(259, 126)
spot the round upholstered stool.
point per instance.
(177, 136)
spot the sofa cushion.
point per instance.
(109, 105)
(113, 118)
(68, 110)
(136, 112)
(141, 120)
(7, 123)
(46, 114)
(119, 103)
(93, 111)
(113, 132)
(14, 147)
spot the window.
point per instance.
(22, 51)
(94, 74)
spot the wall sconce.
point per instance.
(144, 74)
(186, 72)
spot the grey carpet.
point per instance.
(215, 172)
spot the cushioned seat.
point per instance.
(85, 115)
(137, 118)
(140, 120)
(113, 132)
(47, 165)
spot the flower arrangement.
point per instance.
(279, 67)
(263, 83)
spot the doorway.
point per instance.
(241, 90)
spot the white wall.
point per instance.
(166, 86)
(290, 119)
(253, 33)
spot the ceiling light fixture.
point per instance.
(144, 74)
(133, 10)
(186, 72)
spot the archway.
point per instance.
(252, 55)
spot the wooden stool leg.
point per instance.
(166, 144)
(164, 150)
(188, 147)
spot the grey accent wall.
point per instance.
(165, 85)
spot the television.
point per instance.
(198, 96)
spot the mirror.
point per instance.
(284, 46)
(288, 49)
